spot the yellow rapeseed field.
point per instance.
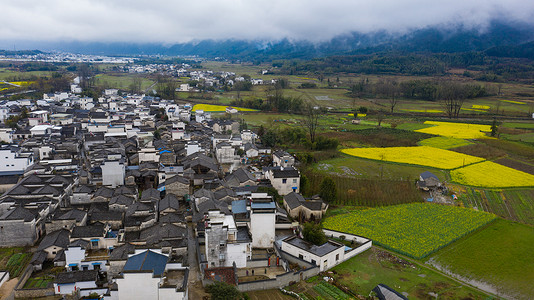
(514, 102)
(430, 111)
(422, 155)
(491, 175)
(457, 130)
(217, 108)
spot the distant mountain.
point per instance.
(21, 52)
(496, 38)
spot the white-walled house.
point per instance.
(226, 244)
(262, 220)
(12, 160)
(284, 180)
(283, 159)
(149, 275)
(67, 283)
(6, 134)
(113, 173)
(324, 256)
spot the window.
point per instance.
(295, 180)
(314, 262)
(284, 180)
(337, 256)
(85, 268)
(96, 267)
(94, 243)
(301, 256)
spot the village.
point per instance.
(136, 197)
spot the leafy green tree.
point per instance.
(494, 127)
(362, 110)
(223, 291)
(313, 233)
(157, 134)
(328, 190)
(304, 184)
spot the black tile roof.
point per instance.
(76, 276)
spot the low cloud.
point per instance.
(168, 22)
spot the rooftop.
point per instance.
(320, 251)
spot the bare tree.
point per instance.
(135, 87)
(452, 95)
(311, 120)
(380, 116)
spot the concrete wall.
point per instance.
(286, 188)
(365, 242)
(87, 292)
(80, 198)
(237, 253)
(348, 236)
(34, 293)
(262, 227)
(59, 224)
(177, 188)
(69, 288)
(138, 286)
(258, 263)
(4, 277)
(171, 294)
(280, 280)
(17, 233)
(324, 262)
(113, 173)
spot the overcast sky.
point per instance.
(173, 21)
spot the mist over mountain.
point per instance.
(497, 38)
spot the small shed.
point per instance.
(428, 181)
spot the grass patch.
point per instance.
(481, 150)
(443, 142)
(412, 126)
(366, 270)
(355, 167)
(514, 148)
(416, 230)
(366, 192)
(500, 255)
(388, 137)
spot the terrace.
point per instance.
(174, 278)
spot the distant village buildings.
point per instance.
(125, 203)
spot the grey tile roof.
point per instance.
(286, 173)
(121, 252)
(96, 230)
(58, 238)
(73, 214)
(150, 194)
(169, 201)
(76, 276)
(293, 200)
(18, 213)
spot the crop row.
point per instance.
(415, 230)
